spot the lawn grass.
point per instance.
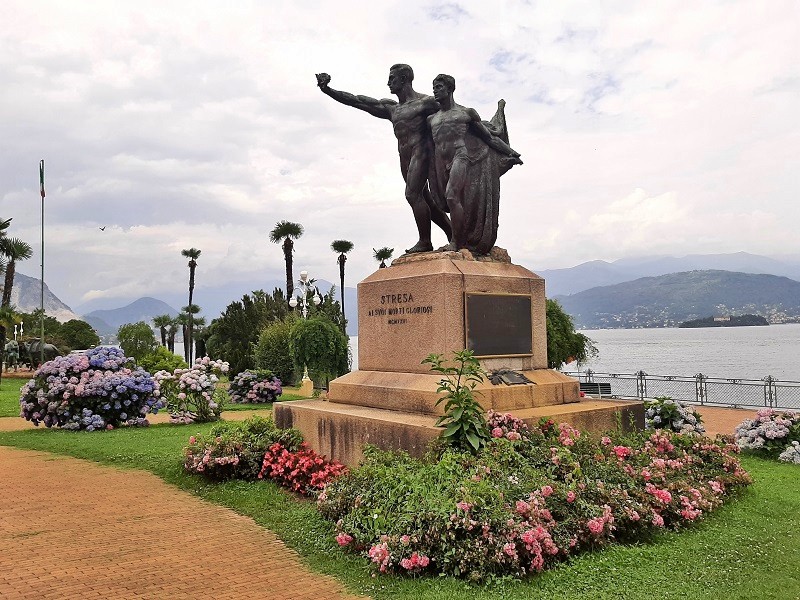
(747, 549)
(9, 396)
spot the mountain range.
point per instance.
(107, 322)
(667, 300)
(601, 273)
(602, 308)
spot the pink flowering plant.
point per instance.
(520, 506)
(303, 470)
(191, 395)
(255, 387)
(236, 450)
(770, 432)
(665, 413)
(100, 389)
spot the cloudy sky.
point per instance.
(646, 128)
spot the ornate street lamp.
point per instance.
(307, 386)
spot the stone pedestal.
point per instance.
(441, 303)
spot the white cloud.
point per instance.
(644, 128)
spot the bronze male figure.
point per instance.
(408, 116)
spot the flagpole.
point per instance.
(41, 339)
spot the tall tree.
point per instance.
(192, 254)
(162, 322)
(382, 255)
(287, 231)
(342, 247)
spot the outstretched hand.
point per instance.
(323, 79)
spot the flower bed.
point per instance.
(257, 386)
(523, 505)
(256, 449)
(95, 390)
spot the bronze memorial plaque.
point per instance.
(498, 324)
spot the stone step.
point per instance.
(341, 430)
(416, 392)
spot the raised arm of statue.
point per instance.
(492, 140)
(377, 108)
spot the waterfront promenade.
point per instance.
(71, 528)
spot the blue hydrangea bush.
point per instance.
(665, 413)
(100, 389)
(256, 386)
(770, 432)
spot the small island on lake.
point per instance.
(727, 321)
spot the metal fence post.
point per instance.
(641, 384)
(770, 399)
(700, 390)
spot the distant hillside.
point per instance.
(601, 273)
(143, 309)
(667, 300)
(26, 295)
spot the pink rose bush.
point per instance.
(524, 505)
(100, 389)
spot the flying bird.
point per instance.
(103, 228)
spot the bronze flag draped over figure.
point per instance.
(451, 161)
(469, 158)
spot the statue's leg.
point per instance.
(438, 216)
(456, 183)
(416, 177)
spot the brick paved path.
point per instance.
(70, 528)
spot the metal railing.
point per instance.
(699, 389)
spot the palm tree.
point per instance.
(162, 322)
(172, 330)
(382, 255)
(186, 320)
(14, 249)
(342, 247)
(287, 231)
(192, 254)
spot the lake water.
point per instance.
(727, 352)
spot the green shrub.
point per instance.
(161, 359)
(272, 350)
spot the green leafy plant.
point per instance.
(161, 359)
(320, 344)
(463, 419)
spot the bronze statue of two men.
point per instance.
(451, 161)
